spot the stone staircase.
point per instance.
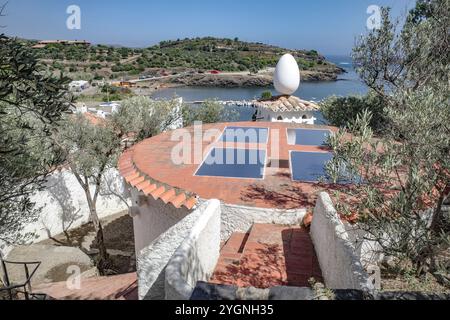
(269, 255)
(120, 287)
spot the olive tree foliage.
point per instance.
(145, 117)
(89, 150)
(406, 172)
(32, 103)
(92, 146)
(390, 59)
(339, 111)
(211, 111)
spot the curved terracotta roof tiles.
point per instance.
(150, 187)
(149, 168)
(286, 104)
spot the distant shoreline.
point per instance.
(263, 79)
(232, 80)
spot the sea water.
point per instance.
(347, 84)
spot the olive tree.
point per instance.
(405, 171)
(339, 111)
(92, 145)
(210, 111)
(32, 103)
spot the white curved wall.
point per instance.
(64, 204)
(153, 219)
(197, 256)
(152, 260)
(290, 117)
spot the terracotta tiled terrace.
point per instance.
(148, 166)
(121, 287)
(269, 255)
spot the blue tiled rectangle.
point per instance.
(245, 135)
(309, 166)
(307, 137)
(234, 163)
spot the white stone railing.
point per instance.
(197, 256)
(153, 259)
(341, 266)
(237, 218)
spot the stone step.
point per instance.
(120, 287)
(269, 255)
(235, 243)
(268, 234)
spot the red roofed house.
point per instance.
(199, 219)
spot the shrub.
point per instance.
(109, 88)
(266, 95)
(340, 111)
(208, 112)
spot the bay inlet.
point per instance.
(347, 84)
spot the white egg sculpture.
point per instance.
(287, 75)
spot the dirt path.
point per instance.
(118, 236)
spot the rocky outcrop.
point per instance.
(257, 80)
(227, 81)
(311, 76)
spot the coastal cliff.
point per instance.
(229, 80)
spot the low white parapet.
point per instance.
(237, 218)
(153, 259)
(341, 266)
(196, 257)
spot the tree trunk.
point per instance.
(103, 254)
(436, 222)
(100, 239)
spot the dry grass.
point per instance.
(409, 282)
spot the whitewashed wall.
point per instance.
(340, 264)
(152, 218)
(153, 258)
(266, 114)
(159, 229)
(197, 256)
(64, 204)
(241, 218)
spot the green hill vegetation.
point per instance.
(199, 54)
(223, 55)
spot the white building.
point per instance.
(285, 109)
(180, 230)
(79, 85)
(81, 108)
(113, 107)
(102, 114)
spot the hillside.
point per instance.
(225, 55)
(195, 56)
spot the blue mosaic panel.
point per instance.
(234, 163)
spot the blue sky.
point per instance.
(329, 26)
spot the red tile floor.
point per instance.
(270, 255)
(121, 287)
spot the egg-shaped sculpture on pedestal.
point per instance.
(287, 75)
